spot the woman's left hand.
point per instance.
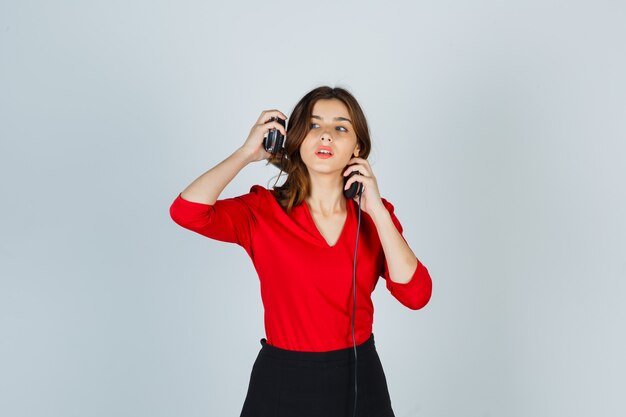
(370, 199)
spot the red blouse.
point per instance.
(306, 284)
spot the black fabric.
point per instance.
(287, 383)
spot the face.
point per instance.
(330, 128)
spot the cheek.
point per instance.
(305, 146)
(310, 137)
(308, 142)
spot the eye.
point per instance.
(313, 124)
(341, 127)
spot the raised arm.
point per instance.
(207, 188)
(198, 207)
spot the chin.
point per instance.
(322, 166)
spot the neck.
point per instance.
(326, 194)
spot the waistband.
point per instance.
(332, 355)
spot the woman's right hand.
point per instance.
(253, 145)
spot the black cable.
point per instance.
(281, 169)
(354, 304)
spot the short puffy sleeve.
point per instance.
(416, 293)
(228, 220)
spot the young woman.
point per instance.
(306, 240)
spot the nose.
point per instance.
(326, 135)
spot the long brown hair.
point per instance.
(297, 186)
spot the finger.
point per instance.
(273, 125)
(266, 115)
(352, 167)
(360, 168)
(354, 178)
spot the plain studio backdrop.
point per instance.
(498, 133)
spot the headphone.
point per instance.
(360, 191)
(274, 143)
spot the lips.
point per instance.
(324, 155)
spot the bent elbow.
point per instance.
(177, 215)
(424, 293)
(421, 300)
(189, 215)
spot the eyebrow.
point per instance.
(336, 118)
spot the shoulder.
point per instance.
(390, 208)
(257, 196)
(260, 191)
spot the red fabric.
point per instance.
(306, 285)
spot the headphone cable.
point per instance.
(354, 304)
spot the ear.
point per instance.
(356, 152)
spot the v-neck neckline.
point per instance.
(343, 229)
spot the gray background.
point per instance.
(499, 134)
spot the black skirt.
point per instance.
(288, 383)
